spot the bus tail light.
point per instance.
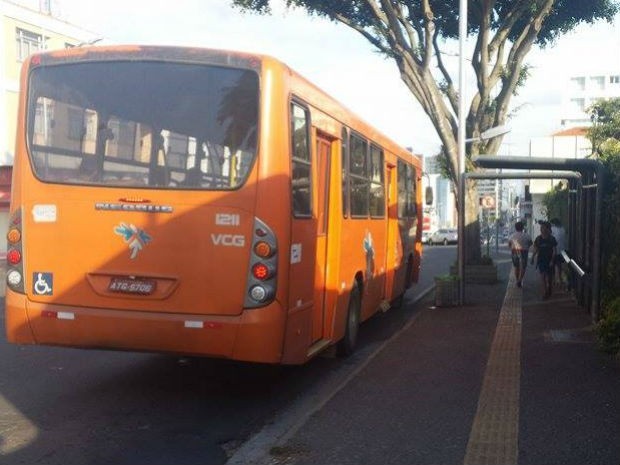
(14, 255)
(261, 293)
(14, 236)
(262, 272)
(263, 249)
(261, 280)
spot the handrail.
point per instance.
(573, 264)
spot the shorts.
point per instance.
(519, 258)
(545, 267)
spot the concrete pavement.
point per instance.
(506, 379)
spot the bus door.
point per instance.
(323, 163)
(394, 253)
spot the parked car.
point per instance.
(444, 236)
(426, 237)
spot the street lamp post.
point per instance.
(461, 150)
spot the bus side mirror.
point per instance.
(428, 195)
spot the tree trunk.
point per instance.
(472, 225)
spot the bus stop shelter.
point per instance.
(585, 179)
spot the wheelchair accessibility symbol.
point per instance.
(43, 283)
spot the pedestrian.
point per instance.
(558, 231)
(544, 253)
(519, 243)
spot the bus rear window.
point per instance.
(143, 124)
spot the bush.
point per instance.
(608, 328)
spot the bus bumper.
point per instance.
(255, 335)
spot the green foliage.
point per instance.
(611, 227)
(564, 16)
(605, 130)
(605, 138)
(608, 328)
(556, 203)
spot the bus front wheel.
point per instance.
(346, 346)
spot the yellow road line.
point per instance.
(494, 435)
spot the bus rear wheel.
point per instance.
(346, 346)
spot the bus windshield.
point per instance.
(143, 124)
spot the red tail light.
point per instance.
(13, 256)
(261, 271)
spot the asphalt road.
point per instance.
(76, 407)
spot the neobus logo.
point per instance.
(133, 208)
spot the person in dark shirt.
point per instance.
(544, 254)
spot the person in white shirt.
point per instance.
(519, 243)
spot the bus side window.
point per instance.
(301, 162)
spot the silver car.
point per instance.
(426, 237)
(444, 236)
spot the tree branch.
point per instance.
(520, 48)
(450, 90)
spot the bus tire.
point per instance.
(346, 346)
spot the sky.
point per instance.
(343, 63)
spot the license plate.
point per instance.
(132, 286)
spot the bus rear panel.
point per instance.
(133, 223)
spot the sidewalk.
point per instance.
(456, 387)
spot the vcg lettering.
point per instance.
(228, 240)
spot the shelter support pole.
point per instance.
(596, 262)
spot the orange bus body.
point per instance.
(304, 221)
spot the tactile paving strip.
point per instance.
(493, 439)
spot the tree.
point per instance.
(413, 33)
(605, 130)
(605, 137)
(556, 203)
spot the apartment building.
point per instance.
(585, 89)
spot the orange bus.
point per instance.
(200, 202)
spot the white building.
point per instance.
(585, 89)
(442, 213)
